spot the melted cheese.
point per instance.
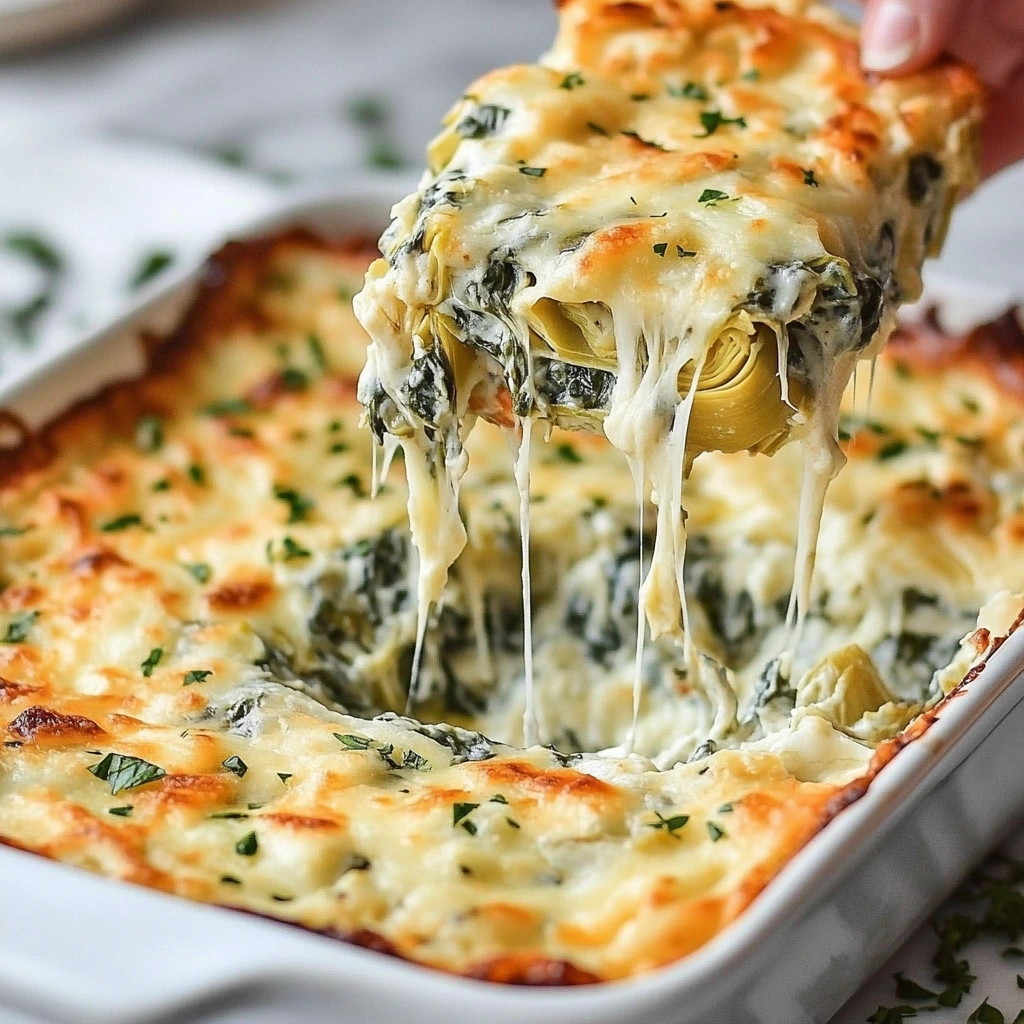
(688, 220)
(196, 578)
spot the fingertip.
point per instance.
(902, 36)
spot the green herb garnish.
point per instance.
(660, 248)
(669, 825)
(683, 253)
(298, 504)
(227, 407)
(122, 523)
(200, 571)
(19, 626)
(809, 178)
(236, 765)
(152, 660)
(353, 742)
(197, 675)
(597, 129)
(645, 142)
(460, 812)
(712, 196)
(892, 450)
(567, 453)
(533, 172)
(125, 772)
(121, 812)
(715, 831)
(284, 776)
(316, 352)
(689, 91)
(292, 549)
(247, 845)
(32, 246)
(151, 264)
(573, 80)
(712, 120)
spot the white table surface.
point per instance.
(271, 86)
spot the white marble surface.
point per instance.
(271, 85)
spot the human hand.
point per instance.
(901, 36)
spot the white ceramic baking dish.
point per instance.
(79, 948)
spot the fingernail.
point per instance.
(890, 37)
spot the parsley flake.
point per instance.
(498, 799)
(197, 675)
(460, 817)
(485, 120)
(316, 351)
(230, 880)
(199, 571)
(197, 474)
(712, 120)
(597, 129)
(352, 741)
(125, 772)
(298, 504)
(227, 407)
(292, 549)
(573, 80)
(150, 265)
(669, 825)
(689, 91)
(19, 626)
(121, 812)
(152, 660)
(533, 172)
(683, 253)
(247, 845)
(892, 450)
(284, 776)
(236, 765)
(751, 76)
(712, 196)
(809, 178)
(660, 248)
(644, 142)
(716, 832)
(567, 453)
(122, 523)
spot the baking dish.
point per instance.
(78, 948)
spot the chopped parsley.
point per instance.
(161, 485)
(485, 120)
(809, 178)
(460, 817)
(498, 799)
(247, 845)
(640, 97)
(294, 379)
(152, 660)
(292, 550)
(892, 450)
(36, 249)
(298, 504)
(689, 91)
(199, 571)
(567, 453)
(125, 772)
(597, 129)
(122, 523)
(230, 880)
(12, 531)
(338, 448)
(907, 988)
(715, 831)
(660, 248)
(512, 823)
(197, 675)
(236, 766)
(228, 816)
(121, 812)
(196, 474)
(284, 776)
(970, 404)
(150, 265)
(573, 80)
(227, 407)
(352, 741)
(930, 436)
(712, 120)
(533, 172)
(725, 809)
(669, 825)
(19, 626)
(683, 253)
(353, 483)
(149, 433)
(751, 76)
(712, 196)
(316, 351)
